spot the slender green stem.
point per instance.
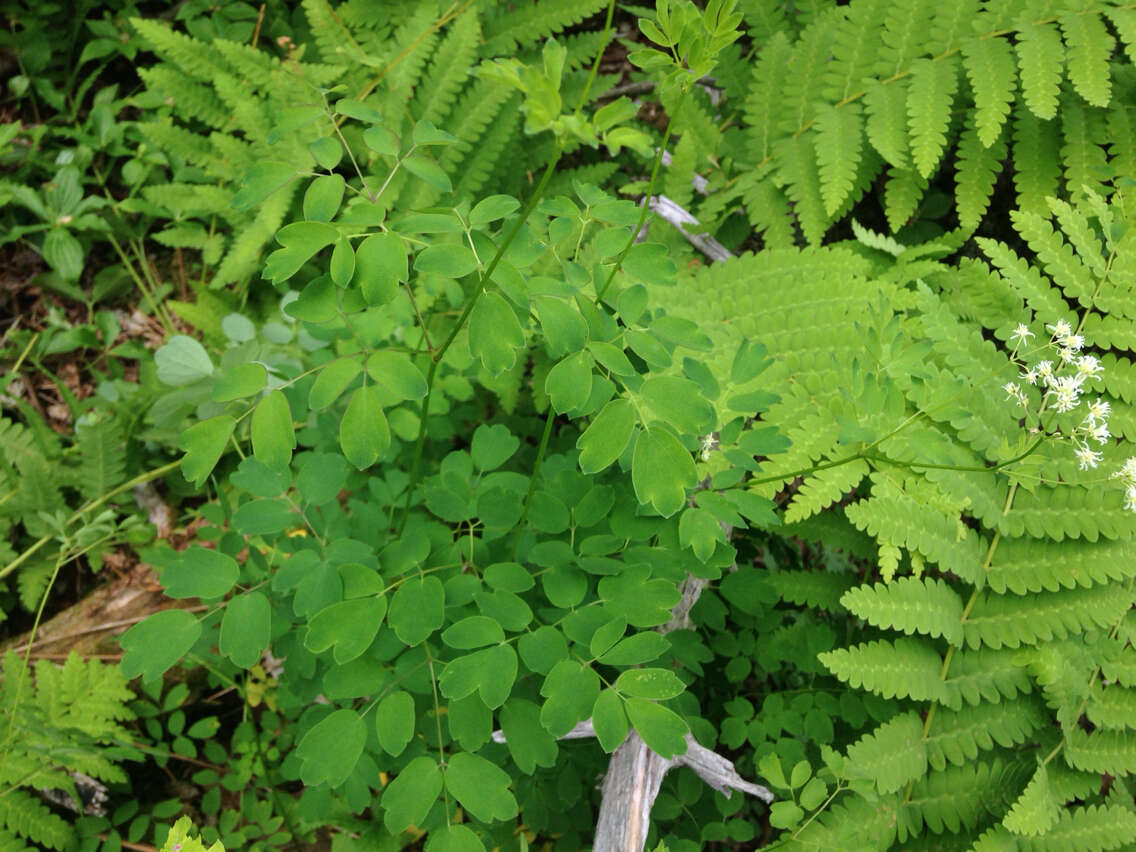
(440, 352)
(540, 451)
(87, 507)
(646, 203)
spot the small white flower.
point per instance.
(1061, 329)
(1066, 391)
(1099, 432)
(1100, 409)
(1045, 371)
(1130, 498)
(1020, 333)
(1127, 472)
(1076, 342)
(1012, 390)
(1087, 457)
(1089, 366)
(1066, 354)
(1030, 375)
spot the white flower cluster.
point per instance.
(1062, 385)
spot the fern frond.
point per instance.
(102, 449)
(853, 49)
(985, 675)
(195, 57)
(763, 105)
(886, 125)
(1037, 165)
(190, 98)
(910, 604)
(1112, 707)
(1084, 132)
(1066, 511)
(1027, 281)
(958, 736)
(824, 488)
(905, 668)
(1086, 829)
(802, 86)
(334, 40)
(449, 70)
(1040, 59)
(903, 35)
(1025, 566)
(989, 64)
(837, 140)
(1088, 48)
(523, 25)
(476, 169)
(977, 171)
(902, 193)
(1113, 752)
(929, 97)
(998, 621)
(953, 799)
(821, 589)
(796, 159)
(892, 755)
(1037, 809)
(27, 816)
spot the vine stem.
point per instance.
(540, 451)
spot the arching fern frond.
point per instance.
(910, 604)
(905, 668)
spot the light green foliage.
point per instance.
(57, 720)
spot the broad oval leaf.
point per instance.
(240, 382)
(332, 380)
(380, 266)
(246, 628)
(204, 443)
(363, 432)
(154, 645)
(495, 335)
(606, 438)
(200, 573)
(331, 749)
(323, 197)
(272, 434)
(182, 360)
(409, 797)
(661, 471)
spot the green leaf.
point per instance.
(239, 382)
(157, 643)
(396, 374)
(260, 480)
(416, 610)
(333, 379)
(785, 814)
(363, 432)
(182, 360)
(261, 181)
(679, 402)
(491, 209)
(394, 722)
(658, 684)
(331, 749)
(543, 648)
(661, 471)
(492, 446)
(610, 720)
(342, 268)
(272, 434)
(529, 743)
(638, 648)
(495, 335)
(300, 242)
(63, 253)
(204, 443)
(606, 438)
(380, 266)
(200, 573)
(263, 517)
(348, 626)
(481, 787)
(317, 302)
(327, 152)
(358, 110)
(454, 838)
(323, 197)
(449, 260)
(700, 531)
(564, 329)
(651, 263)
(425, 133)
(246, 628)
(571, 690)
(409, 797)
(381, 141)
(606, 636)
(474, 631)
(662, 730)
(429, 171)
